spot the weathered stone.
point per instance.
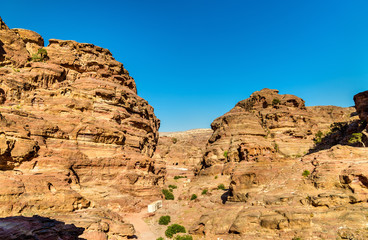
(361, 105)
(267, 126)
(74, 135)
(36, 227)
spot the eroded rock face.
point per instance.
(182, 152)
(274, 191)
(36, 227)
(74, 133)
(321, 195)
(3, 25)
(361, 104)
(265, 127)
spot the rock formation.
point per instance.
(182, 152)
(37, 228)
(75, 136)
(274, 195)
(265, 127)
(361, 104)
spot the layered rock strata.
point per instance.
(182, 152)
(74, 133)
(322, 195)
(265, 127)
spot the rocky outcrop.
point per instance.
(3, 25)
(36, 227)
(265, 127)
(361, 104)
(74, 133)
(182, 152)
(274, 191)
(321, 195)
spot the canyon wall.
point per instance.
(293, 171)
(75, 138)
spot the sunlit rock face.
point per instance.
(280, 192)
(265, 127)
(74, 134)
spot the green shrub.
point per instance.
(275, 102)
(318, 137)
(356, 137)
(306, 173)
(168, 195)
(225, 154)
(174, 229)
(193, 197)
(204, 192)
(178, 177)
(174, 140)
(276, 147)
(216, 177)
(221, 187)
(173, 186)
(160, 238)
(164, 220)
(41, 55)
(184, 237)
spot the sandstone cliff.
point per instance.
(182, 152)
(76, 139)
(275, 193)
(265, 127)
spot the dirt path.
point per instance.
(143, 231)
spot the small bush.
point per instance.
(164, 220)
(174, 140)
(184, 237)
(276, 147)
(193, 197)
(160, 238)
(306, 173)
(173, 186)
(174, 229)
(226, 153)
(204, 192)
(356, 137)
(216, 177)
(168, 195)
(318, 137)
(275, 102)
(41, 55)
(178, 177)
(221, 187)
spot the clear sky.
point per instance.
(193, 60)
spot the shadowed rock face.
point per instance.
(37, 228)
(264, 127)
(361, 104)
(74, 133)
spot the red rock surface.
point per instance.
(361, 104)
(182, 152)
(265, 127)
(273, 195)
(74, 134)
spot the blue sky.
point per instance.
(194, 60)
